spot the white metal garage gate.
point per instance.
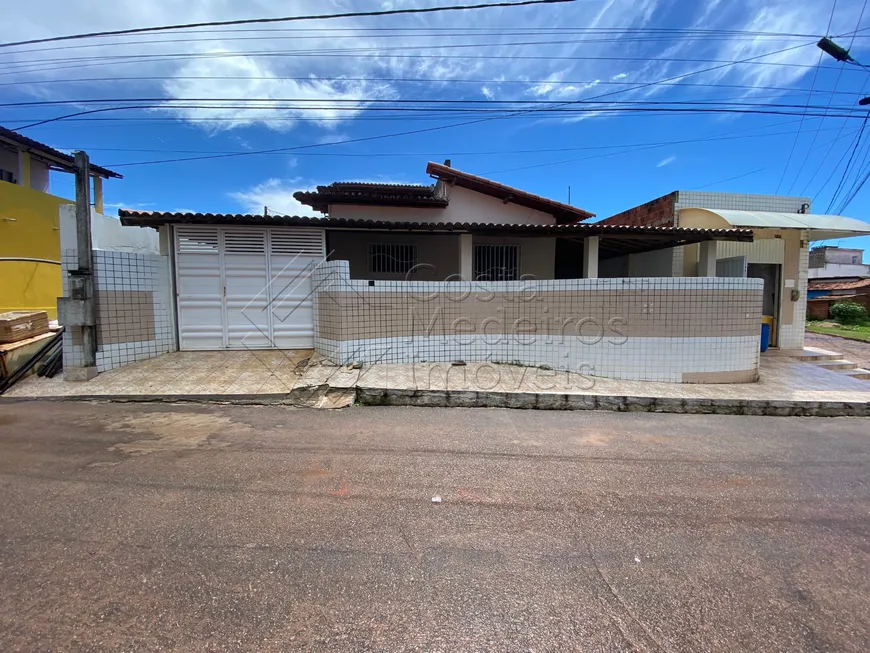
(246, 287)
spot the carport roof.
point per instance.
(616, 239)
(822, 227)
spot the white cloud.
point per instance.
(666, 161)
(277, 194)
(271, 57)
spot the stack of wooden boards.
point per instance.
(21, 325)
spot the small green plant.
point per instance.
(849, 313)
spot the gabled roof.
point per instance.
(50, 155)
(352, 192)
(564, 213)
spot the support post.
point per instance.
(24, 168)
(98, 194)
(590, 257)
(81, 281)
(707, 258)
(466, 257)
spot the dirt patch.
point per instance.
(175, 432)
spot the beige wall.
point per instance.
(441, 251)
(465, 206)
(657, 263)
(787, 247)
(537, 255)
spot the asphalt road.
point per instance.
(226, 528)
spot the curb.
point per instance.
(533, 401)
(305, 397)
(328, 397)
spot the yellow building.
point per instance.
(30, 274)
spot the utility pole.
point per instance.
(77, 310)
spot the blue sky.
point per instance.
(519, 57)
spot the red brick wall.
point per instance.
(657, 213)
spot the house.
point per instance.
(30, 222)
(834, 262)
(464, 268)
(823, 293)
(782, 226)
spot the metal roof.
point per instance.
(822, 227)
(616, 240)
(63, 161)
(508, 194)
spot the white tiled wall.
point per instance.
(634, 358)
(740, 202)
(125, 271)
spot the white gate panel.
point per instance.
(246, 288)
(294, 253)
(246, 277)
(199, 288)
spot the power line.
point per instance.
(809, 99)
(250, 21)
(422, 80)
(454, 152)
(247, 103)
(723, 137)
(460, 124)
(398, 112)
(816, 136)
(722, 181)
(848, 163)
(399, 34)
(373, 53)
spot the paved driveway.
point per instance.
(184, 528)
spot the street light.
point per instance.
(838, 52)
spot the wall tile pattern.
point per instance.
(134, 310)
(656, 329)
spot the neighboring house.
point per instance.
(823, 293)
(30, 223)
(783, 229)
(463, 269)
(833, 262)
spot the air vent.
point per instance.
(245, 242)
(297, 242)
(197, 240)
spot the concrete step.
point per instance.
(816, 354)
(858, 373)
(838, 365)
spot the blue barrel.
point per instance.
(765, 337)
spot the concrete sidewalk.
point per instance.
(787, 386)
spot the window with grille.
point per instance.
(392, 258)
(496, 262)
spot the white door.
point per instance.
(246, 287)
